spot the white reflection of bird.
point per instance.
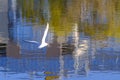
(43, 43)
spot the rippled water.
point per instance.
(60, 40)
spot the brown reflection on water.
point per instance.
(53, 49)
(12, 50)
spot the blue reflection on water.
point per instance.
(38, 68)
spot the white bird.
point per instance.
(43, 43)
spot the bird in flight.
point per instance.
(43, 43)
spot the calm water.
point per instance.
(60, 40)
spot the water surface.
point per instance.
(80, 38)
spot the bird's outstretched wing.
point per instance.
(31, 41)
